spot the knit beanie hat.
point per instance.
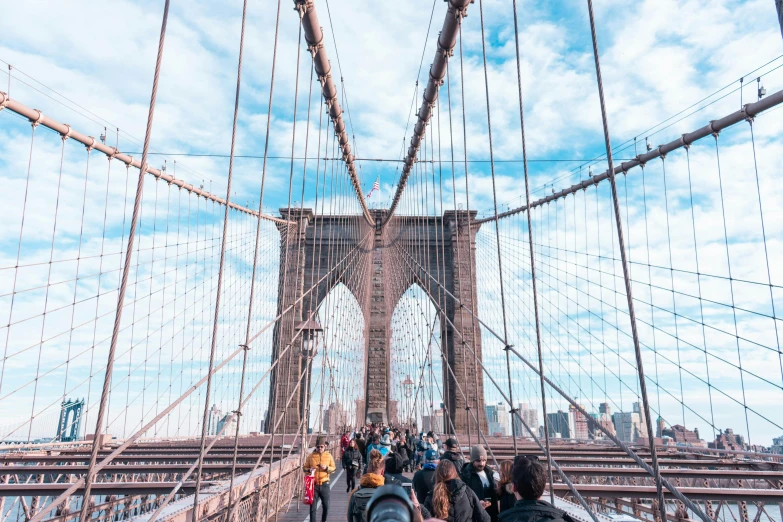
(477, 452)
(451, 442)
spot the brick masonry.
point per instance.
(388, 261)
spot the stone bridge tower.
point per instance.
(377, 266)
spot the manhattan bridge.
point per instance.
(171, 349)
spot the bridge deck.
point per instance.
(338, 505)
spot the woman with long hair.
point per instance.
(352, 464)
(451, 500)
(506, 498)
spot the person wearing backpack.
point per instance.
(352, 464)
(451, 500)
(529, 480)
(370, 481)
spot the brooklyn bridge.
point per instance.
(198, 276)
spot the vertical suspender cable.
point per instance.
(85, 514)
(220, 272)
(497, 227)
(626, 274)
(532, 258)
(255, 250)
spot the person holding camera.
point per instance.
(528, 477)
(451, 499)
(352, 464)
(481, 480)
(321, 464)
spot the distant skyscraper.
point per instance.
(433, 422)
(503, 419)
(628, 425)
(335, 418)
(227, 426)
(213, 419)
(558, 424)
(578, 423)
(530, 416)
(492, 412)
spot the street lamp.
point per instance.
(407, 387)
(310, 331)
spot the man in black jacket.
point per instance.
(424, 479)
(529, 479)
(453, 454)
(479, 478)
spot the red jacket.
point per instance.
(344, 441)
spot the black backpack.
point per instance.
(361, 497)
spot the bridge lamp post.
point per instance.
(310, 331)
(407, 387)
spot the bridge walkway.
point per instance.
(296, 511)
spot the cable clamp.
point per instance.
(91, 145)
(67, 133)
(244, 347)
(238, 413)
(508, 347)
(715, 132)
(662, 154)
(38, 119)
(114, 153)
(638, 158)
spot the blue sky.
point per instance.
(658, 58)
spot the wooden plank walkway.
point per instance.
(296, 511)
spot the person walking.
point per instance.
(368, 483)
(385, 445)
(321, 464)
(424, 479)
(453, 454)
(480, 479)
(506, 497)
(395, 467)
(361, 444)
(451, 499)
(528, 479)
(375, 444)
(352, 464)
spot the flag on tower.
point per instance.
(375, 186)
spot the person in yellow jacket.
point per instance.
(321, 464)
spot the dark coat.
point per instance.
(351, 455)
(394, 463)
(534, 511)
(423, 482)
(506, 499)
(455, 458)
(361, 443)
(470, 477)
(464, 505)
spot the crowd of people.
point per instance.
(444, 485)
